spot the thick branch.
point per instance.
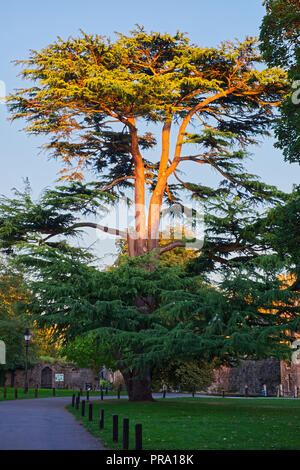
(185, 123)
(182, 182)
(223, 173)
(109, 230)
(116, 181)
(171, 246)
(217, 258)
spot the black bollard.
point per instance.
(164, 393)
(87, 395)
(125, 434)
(83, 408)
(78, 396)
(90, 412)
(16, 393)
(77, 402)
(101, 394)
(101, 421)
(138, 437)
(53, 392)
(115, 428)
(73, 400)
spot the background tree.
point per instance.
(50, 342)
(186, 317)
(283, 234)
(280, 45)
(14, 320)
(86, 352)
(184, 376)
(279, 36)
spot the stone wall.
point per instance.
(290, 377)
(290, 373)
(73, 378)
(254, 374)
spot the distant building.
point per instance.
(290, 373)
(282, 378)
(112, 376)
(52, 374)
(59, 374)
(279, 377)
(251, 374)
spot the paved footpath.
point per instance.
(42, 424)
(45, 424)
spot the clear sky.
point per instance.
(32, 24)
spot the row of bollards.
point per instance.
(80, 393)
(115, 428)
(280, 392)
(115, 432)
(101, 420)
(83, 409)
(16, 393)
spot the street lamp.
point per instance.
(27, 337)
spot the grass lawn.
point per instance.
(47, 392)
(202, 423)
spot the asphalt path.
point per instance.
(45, 424)
(42, 424)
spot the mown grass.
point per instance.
(47, 392)
(202, 423)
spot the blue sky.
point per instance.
(33, 24)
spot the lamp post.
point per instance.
(27, 337)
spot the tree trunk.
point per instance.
(139, 247)
(138, 385)
(93, 378)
